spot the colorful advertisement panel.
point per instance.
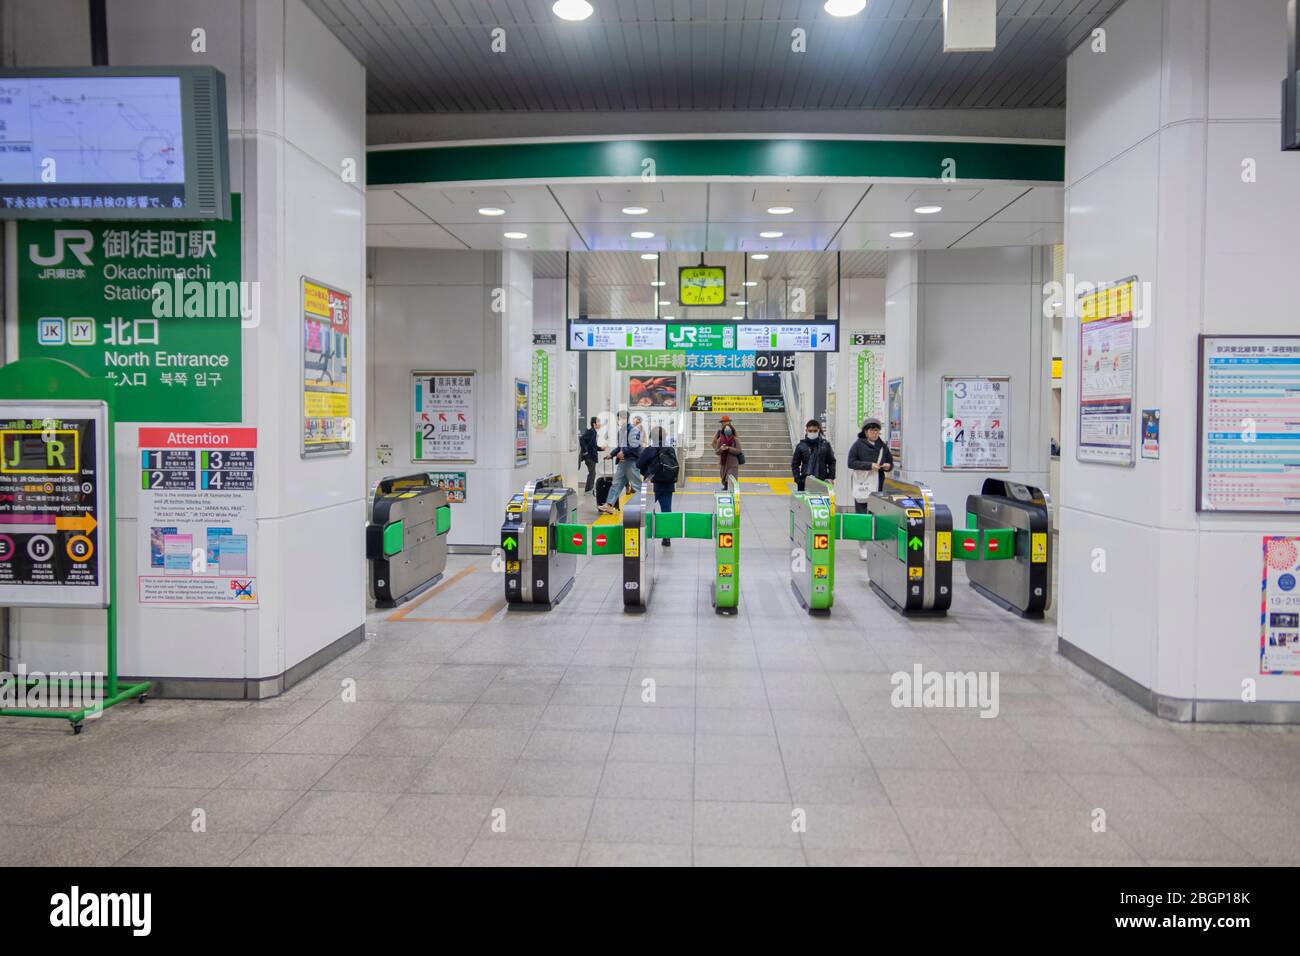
(327, 424)
(1279, 613)
(521, 422)
(452, 482)
(1107, 341)
(652, 391)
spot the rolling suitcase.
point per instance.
(604, 481)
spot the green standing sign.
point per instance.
(155, 308)
(541, 388)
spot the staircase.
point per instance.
(764, 438)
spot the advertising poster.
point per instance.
(53, 509)
(444, 416)
(652, 391)
(452, 482)
(1106, 374)
(894, 406)
(541, 384)
(155, 308)
(1279, 613)
(521, 422)
(1249, 424)
(327, 425)
(728, 404)
(197, 542)
(975, 429)
(1151, 433)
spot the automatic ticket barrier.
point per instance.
(909, 558)
(406, 539)
(538, 574)
(812, 543)
(1009, 527)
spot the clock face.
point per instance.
(702, 285)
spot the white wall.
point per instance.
(862, 307)
(296, 109)
(1158, 128)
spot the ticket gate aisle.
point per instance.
(1022, 583)
(909, 559)
(812, 543)
(537, 574)
(406, 538)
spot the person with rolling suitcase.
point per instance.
(589, 453)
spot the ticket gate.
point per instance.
(537, 573)
(406, 538)
(1022, 581)
(909, 558)
(638, 556)
(812, 543)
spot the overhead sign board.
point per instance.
(782, 337)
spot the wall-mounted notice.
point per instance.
(868, 350)
(1107, 341)
(53, 497)
(541, 412)
(975, 413)
(1248, 415)
(652, 391)
(452, 482)
(197, 540)
(894, 406)
(521, 422)
(445, 416)
(1151, 433)
(327, 425)
(1279, 613)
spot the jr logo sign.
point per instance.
(77, 241)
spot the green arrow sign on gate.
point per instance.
(914, 543)
(509, 544)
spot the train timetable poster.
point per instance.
(445, 416)
(1279, 613)
(976, 409)
(1107, 339)
(1249, 417)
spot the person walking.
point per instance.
(870, 461)
(589, 453)
(813, 456)
(658, 463)
(624, 454)
(726, 445)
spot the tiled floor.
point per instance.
(525, 739)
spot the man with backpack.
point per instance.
(624, 454)
(813, 456)
(658, 463)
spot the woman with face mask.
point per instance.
(813, 457)
(726, 445)
(870, 461)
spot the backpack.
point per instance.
(666, 467)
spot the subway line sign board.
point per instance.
(154, 307)
(649, 336)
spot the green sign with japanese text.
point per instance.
(156, 308)
(541, 388)
(707, 337)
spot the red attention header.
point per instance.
(215, 437)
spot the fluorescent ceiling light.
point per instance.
(759, 255)
(666, 318)
(844, 8)
(657, 284)
(751, 283)
(516, 235)
(927, 210)
(643, 235)
(635, 210)
(572, 9)
(491, 211)
(781, 210)
(771, 234)
(901, 235)
(742, 302)
(737, 318)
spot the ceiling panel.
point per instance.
(684, 202)
(892, 203)
(521, 204)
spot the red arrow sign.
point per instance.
(442, 417)
(460, 416)
(424, 416)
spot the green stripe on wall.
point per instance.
(912, 159)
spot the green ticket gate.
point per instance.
(1009, 529)
(812, 543)
(406, 538)
(538, 574)
(909, 558)
(725, 589)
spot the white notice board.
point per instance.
(445, 416)
(976, 413)
(1107, 367)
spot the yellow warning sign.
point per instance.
(724, 570)
(819, 570)
(1038, 547)
(943, 546)
(914, 573)
(541, 541)
(512, 567)
(631, 543)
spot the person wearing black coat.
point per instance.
(588, 454)
(646, 462)
(870, 453)
(813, 456)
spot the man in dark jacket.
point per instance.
(813, 456)
(589, 453)
(869, 454)
(658, 464)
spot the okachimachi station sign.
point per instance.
(154, 307)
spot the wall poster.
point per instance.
(452, 482)
(1107, 386)
(197, 527)
(1151, 433)
(894, 427)
(521, 422)
(652, 391)
(976, 410)
(327, 423)
(445, 416)
(1248, 423)
(1279, 612)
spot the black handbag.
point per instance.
(740, 459)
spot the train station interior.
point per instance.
(650, 433)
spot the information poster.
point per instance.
(445, 416)
(1249, 415)
(53, 489)
(155, 308)
(868, 349)
(1106, 374)
(728, 404)
(521, 422)
(327, 426)
(652, 391)
(541, 384)
(452, 482)
(975, 429)
(198, 516)
(895, 423)
(1151, 433)
(1279, 642)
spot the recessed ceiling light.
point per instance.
(665, 301)
(771, 234)
(643, 235)
(649, 255)
(635, 210)
(927, 210)
(657, 284)
(781, 210)
(737, 318)
(759, 255)
(901, 235)
(572, 9)
(751, 283)
(491, 211)
(666, 318)
(742, 302)
(844, 8)
(516, 235)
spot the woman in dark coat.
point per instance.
(870, 454)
